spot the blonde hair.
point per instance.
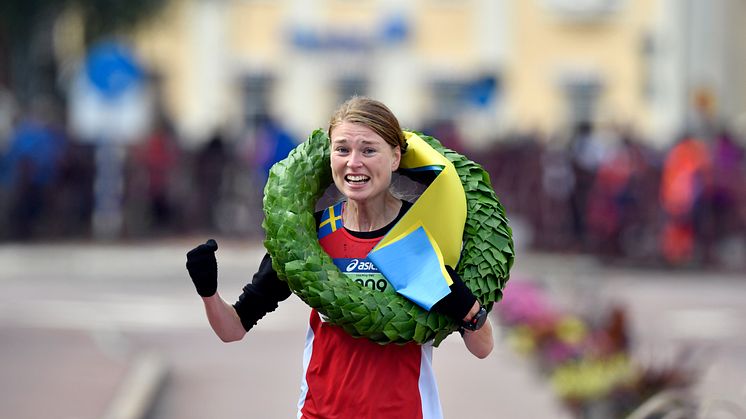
(372, 114)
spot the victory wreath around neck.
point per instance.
(296, 183)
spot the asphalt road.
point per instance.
(85, 328)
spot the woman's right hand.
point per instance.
(203, 268)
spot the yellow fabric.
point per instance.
(441, 209)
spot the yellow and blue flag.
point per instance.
(331, 220)
(413, 254)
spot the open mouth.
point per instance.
(357, 179)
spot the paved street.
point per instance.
(81, 326)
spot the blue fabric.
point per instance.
(422, 281)
(37, 144)
(274, 144)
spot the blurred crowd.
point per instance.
(609, 193)
(596, 190)
(48, 180)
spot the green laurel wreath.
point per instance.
(294, 186)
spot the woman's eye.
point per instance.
(341, 150)
(369, 151)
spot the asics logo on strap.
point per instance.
(357, 265)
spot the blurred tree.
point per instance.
(27, 62)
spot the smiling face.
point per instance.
(362, 162)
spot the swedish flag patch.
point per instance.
(331, 220)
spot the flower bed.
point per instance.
(586, 360)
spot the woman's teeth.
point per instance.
(357, 179)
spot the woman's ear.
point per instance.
(397, 159)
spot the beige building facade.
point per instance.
(488, 66)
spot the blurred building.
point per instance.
(661, 66)
(229, 62)
(487, 66)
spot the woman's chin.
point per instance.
(356, 197)
(357, 194)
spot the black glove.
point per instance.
(203, 268)
(458, 302)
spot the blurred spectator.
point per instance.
(272, 143)
(609, 199)
(621, 208)
(157, 160)
(515, 171)
(557, 228)
(726, 195)
(586, 154)
(30, 167)
(7, 116)
(208, 175)
(73, 196)
(685, 179)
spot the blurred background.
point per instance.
(613, 131)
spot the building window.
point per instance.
(582, 98)
(257, 89)
(348, 86)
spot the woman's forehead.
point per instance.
(349, 131)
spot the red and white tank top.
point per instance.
(346, 377)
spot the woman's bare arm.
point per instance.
(223, 319)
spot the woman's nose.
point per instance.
(354, 159)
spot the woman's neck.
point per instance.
(371, 216)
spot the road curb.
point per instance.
(139, 389)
